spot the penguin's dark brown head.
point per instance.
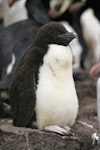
(54, 33)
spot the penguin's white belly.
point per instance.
(56, 99)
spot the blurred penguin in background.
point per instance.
(17, 40)
(46, 66)
(13, 12)
(67, 10)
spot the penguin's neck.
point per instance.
(58, 61)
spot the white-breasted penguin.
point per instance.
(42, 88)
(95, 72)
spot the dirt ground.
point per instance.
(86, 90)
(86, 122)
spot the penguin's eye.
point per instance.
(55, 33)
(52, 33)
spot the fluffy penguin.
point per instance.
(42, 89)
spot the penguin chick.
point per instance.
(42, 89)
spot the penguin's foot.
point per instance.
(56, 129)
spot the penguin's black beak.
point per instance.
(69, 36)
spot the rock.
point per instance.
(15, 138)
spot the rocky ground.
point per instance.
(12, 138)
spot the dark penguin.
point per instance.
(13, 48)
(37, 11)
(42, 89)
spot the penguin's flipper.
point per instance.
(23, 88)
(22, 94)
(22, 106)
